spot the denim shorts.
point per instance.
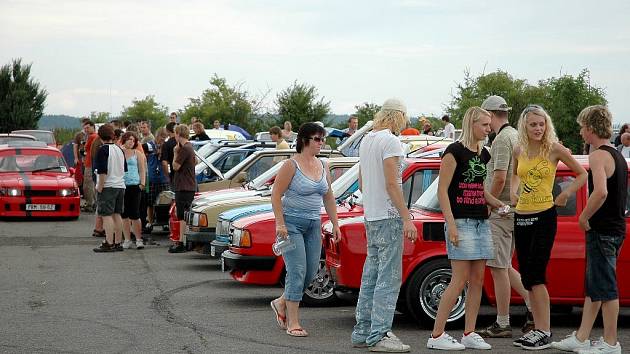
(602, 251)
(475, 240)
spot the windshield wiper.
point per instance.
(45, 169)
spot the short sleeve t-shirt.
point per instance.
(184, 178)
(466, 189)
(110, 164)
(449, 131)
(501, 159)
(374, 149)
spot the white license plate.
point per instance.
(222, 264)
(40, 207)
(213, 251)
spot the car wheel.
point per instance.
(321, 291)
(425, 289)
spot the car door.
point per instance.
(623, 262)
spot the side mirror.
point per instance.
(208, 172)
(72, 171)
(241, 177)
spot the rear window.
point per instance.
(44, 136)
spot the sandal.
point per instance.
(98, 233)
(297, 332)
(282, 320)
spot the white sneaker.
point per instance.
(127, 244)
(390, 344)
(474, 341)
(601, 347)
(139, 244)
(444, 342)
(571, 344)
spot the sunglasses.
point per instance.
(532, 107)
(317, 139)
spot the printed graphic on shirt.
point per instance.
(533, 179)
(476, 168)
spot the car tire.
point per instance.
(424, 290)
(321, 291)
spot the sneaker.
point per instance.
(118, 247)
(496, 331)
(390, 344)
(519, 342)
(602, 347)
(571, 344)
(127, 244)
(177, 248)
(104, 247)
(139, 244)
(537, 341)
(474, 341)
(529, 322)
(444, 342)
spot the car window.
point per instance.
(263, 164)
(336, 172)
(560, 184)
(417, 184)
(232, 160)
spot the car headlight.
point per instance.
(11, 192)
(223, 227)
(241, 238)
(68, 192)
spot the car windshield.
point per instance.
(429, 199)
(44, 136)
(32, 161)
(262, 180)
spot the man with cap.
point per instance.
(499, 168)
(387, 220)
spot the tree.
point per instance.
(145, 109)
(563, 98)
(365, 112)
(226, 103)
(21, 98)
(299, 103)
(100, 117)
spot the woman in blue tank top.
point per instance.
(301, 188)
(135, 178)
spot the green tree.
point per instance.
(565, 97)
(299, 103)
(365, 112)
(21, 98)
(226, 103)
(145, 109)
(100, 117)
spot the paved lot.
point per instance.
(57, 296)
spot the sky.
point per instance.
(100, 55)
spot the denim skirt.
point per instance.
(475, 240)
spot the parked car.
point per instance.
(426, 269)
(5, 138)
(36, 182)
(42, 135)
(251, 260)
(202, 218)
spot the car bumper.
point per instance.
(63, 207)
(218, 247)
(201, 236)
(235, 261)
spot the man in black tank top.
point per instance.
(603, 219)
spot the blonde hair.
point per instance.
(598, 119)
(390, 119)
(467, 138)
(183, 131)
(549, 136)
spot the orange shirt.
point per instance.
(410, 131)
(88, 148)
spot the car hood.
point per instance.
(207, 208)
(40, 180)
(242, 212)
(218, 196)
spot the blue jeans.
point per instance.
(302, 262)
(380, 282)
(602, 251)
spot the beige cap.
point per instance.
(495, 103)
(394, 104)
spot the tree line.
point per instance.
(22, 102)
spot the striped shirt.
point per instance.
(304, 197)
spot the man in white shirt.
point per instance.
(387, 220)
(624, 148)
(449, 128)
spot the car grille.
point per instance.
(39, 193)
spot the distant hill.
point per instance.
(50, 122)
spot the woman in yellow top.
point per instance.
(535, 221)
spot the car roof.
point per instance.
(26, 144)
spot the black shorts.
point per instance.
(183, 201)
(110, 201)
(132, 203)
(534, 235)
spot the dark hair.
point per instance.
(133, 127)
(129, 135)
(623, 128)
(85, 121)
(306, 131)
(106, 132)
(275, 130)
(170, 127)
(446, 118)
(118, 133)
(351, 118)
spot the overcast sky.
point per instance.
(99, 55)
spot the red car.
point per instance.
(36, 182)
(426, 269)
(250, 259)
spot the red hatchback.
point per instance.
(36, 182)
(426, 269)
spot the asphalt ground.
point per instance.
(57, 296)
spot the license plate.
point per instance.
(213, 251)
(40, 207)
(222, 264)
